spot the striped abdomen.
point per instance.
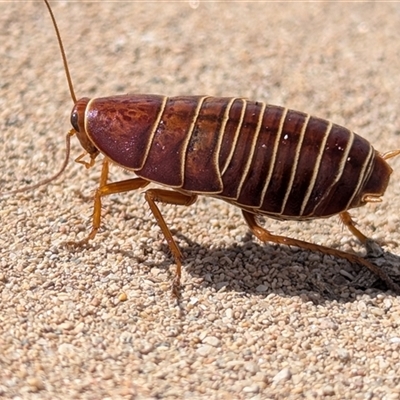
(266, 159)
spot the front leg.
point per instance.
(106, 189)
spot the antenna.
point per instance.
(71, 132)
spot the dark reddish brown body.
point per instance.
(263, 158)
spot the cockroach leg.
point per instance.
(350, 224)
(265, 236)
(176, 198)
(106, 189)
(373, 248)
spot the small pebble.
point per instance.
(282, 375)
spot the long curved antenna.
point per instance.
(70, 133)
(64, 57)
(51, 178)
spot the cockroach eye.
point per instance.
(74, 120)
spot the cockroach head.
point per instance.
(78, 116)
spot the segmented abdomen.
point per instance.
(264, 158)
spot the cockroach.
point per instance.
(267, 160)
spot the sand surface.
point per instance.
(256, 321)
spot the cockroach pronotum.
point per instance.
(267, 160)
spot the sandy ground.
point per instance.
(256, 321)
